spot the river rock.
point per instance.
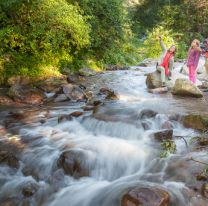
(29, 171)
(64, 118)
(204, 190)
(160, 90)
(5, 100)
(167, 125)
(147, 113)
(148, 62)
(76, 114)
(195, 121)
(184, 87)
(86, 72)
(18, 80)
(72, 162)
(110, 94)
(164, 135)
(9, 158)
(51, 85)
(29, 189)
(73, 92)
(72, 79)
(145, 196)
(153, 80)
(61, 98)
(26, 95)
(116, 67)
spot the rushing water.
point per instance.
(117, 150)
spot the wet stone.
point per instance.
(147, 113)
(64, 118)
(164, 135)
(71, 161)
(203, 141)
(76, 114)
(145, 196)
(9, 158)
(29, 189)
(167, 125)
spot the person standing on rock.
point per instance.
(166, 62)
(193, 59)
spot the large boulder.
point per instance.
(153, 80)
(51, 84)
(26, 95)
(70, 92)
(145, 196)
(20, 80)
(72, 162)
(87, 72)
(195, 121)
(73, 92)
(184, 87)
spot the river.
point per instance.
(117, 150)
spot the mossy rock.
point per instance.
(196, 121)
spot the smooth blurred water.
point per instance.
(118, 151)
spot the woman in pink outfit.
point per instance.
(193, 59)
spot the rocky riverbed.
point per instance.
(102, 140)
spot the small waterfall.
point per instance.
(116, 145)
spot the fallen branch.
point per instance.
(182, 137)
(204, 163)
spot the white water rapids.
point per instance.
(119, 153)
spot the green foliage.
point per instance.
(151, 45)
(40, 35)
(186, 20)
(168, 147)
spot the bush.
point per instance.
(151, 46)
(39, 36)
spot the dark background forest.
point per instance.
(41, 38)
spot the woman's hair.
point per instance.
(197, 42)
(174, 51)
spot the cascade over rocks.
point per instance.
(184, 87)
(145, 196)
